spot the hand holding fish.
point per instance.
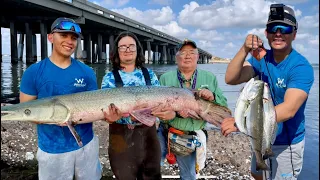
(206, 94)
(164, 113)
(228, 126)
(113, 115)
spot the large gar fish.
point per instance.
(85, 107)
(255, 116)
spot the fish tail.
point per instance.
(268, 153)
(262, 166)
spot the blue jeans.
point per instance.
(186, 164)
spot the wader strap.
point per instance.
(117, 78)
(146, 76)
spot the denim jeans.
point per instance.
(186, 164)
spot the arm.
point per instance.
(25, 97)
(238, 71)
(300, 81)
(293, 99)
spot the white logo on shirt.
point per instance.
(79, 83)
(281, 83)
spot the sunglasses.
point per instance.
(283, 29)
(67, 25)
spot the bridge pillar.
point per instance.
(13, 38)
(0, 46)
(78, 52)
(87, 47)
(20, 47)
(34, 48)
(111, 44)
(93, 50)
(99, 48)
(44, 41)
(163, 54)
(149, 51)
(29, 58)
(156, 55)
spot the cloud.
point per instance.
(161, 2)
(223, 13)
(149, 17)
(211, 35)
(226, 13)
(111, 3)
(314, 40)
(289, 1)
(308, 22)
(173, 29)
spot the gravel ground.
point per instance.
(227, 157)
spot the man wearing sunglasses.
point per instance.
(58, 155)
(290, 77)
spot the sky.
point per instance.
(219, 27)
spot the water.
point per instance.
(11, 75)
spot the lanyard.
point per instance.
(182, 80)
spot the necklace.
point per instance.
(182, 80)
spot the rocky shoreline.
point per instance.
(227, 157)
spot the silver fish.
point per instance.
(85, 107)
(255, 117)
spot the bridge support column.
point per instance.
(149, 51)
(78, 52)
(163, 54)
(20, 47)
(111, 44)
(0, 46)
(44, 41)
(101, 58)
(93, 51)
(34, 48)
(156, 55)
(29, 57)
(13, 39)
(87, 46)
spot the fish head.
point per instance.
(213, 113)
(253, 88)
(49, 111)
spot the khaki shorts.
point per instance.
(284, 162)
(83, 164)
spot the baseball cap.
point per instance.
(280, 13)
(64, 24)
(185, 42)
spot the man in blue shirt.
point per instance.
(289, 76)
(59, 156)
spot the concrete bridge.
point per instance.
(99, 27)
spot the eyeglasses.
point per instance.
(124, 48)
(67, 25)
(184, 53)
(272, 29)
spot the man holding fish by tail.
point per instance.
(289, 76)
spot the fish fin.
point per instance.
(144, 116)
(268, 154)
(74, 133)
(193, 115)
(262, 166)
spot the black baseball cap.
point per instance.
(280, 13)
(64, 24)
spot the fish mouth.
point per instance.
(5, 113)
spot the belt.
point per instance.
(167, 127)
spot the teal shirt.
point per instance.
(204, 79)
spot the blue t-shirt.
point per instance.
(293, 72)
(45, 79)
(134, 78)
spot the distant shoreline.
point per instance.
(224, 61)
